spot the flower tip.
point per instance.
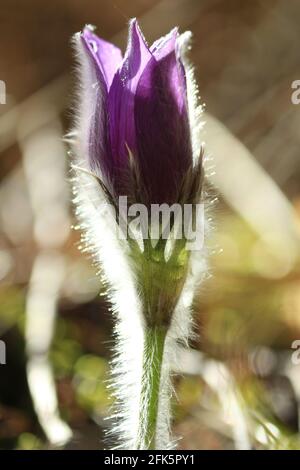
(185, 38)
(76, 36)
(90, 27)
(165, 45)
(174, 35)
(134, 27)
(184, 43)
(135, 33)
(90, 39)
(88, 31)
(133, 23)
(175, 31)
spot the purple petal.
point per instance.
(122, 93)
(165, 44)
(162, 126)
(93, 135)
(107, 56)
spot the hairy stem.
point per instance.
(152, 374)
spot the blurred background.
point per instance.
(239, 386)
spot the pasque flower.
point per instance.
(136, 133)
(138, 105)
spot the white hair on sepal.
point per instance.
(98, 225)
(195, 108)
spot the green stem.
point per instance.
(152, 368)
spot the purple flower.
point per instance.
(134, 112)
(137, 133)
